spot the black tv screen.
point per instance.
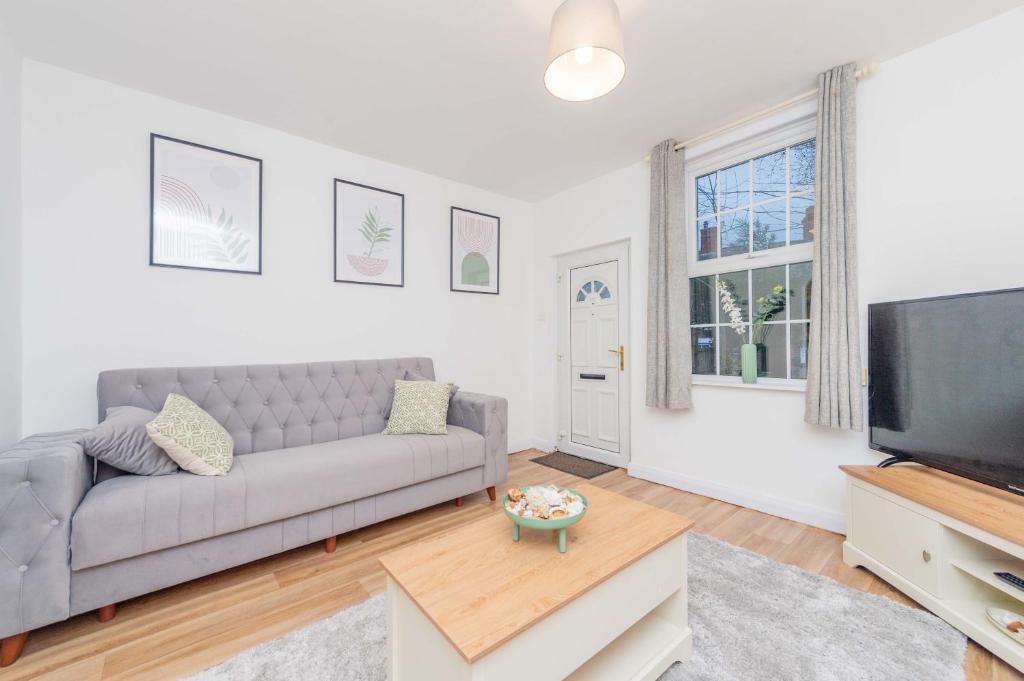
(947, 384)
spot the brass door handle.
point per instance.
(621, 352)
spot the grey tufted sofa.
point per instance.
(311, 463)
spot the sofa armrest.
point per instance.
(42, 480)
(488, 416)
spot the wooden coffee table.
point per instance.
(472, 605)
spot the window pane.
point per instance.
(707, 204)
(735, 233)
(801, 167)
(736, 284)
(770, 225)
(707, 238)
(801, 219)
(770, 176)
(702, 300)
(771, 350)
(730, 343)
(703, 348)
(800, 290)
(769, 293)
(798, 349)
(735, 186)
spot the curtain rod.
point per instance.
(865, 71)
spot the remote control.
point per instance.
(1011, 579)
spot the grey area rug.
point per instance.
(752, 618)
(575, 465)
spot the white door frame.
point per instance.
(616, 250)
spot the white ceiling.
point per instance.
(454, 87)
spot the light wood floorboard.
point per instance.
(181, 630)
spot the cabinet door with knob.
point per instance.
(904, 541)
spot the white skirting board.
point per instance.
(784, 508)
(519, 445)
(532, 443)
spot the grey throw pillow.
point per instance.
(413, 376)
(121, 440)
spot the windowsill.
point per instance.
(793, 386)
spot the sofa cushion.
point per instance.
(413, 376)
(121, 441)
(192, 437)
(131, 515)
(419, 407)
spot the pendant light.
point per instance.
(585, 57)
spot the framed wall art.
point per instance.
(206, 207)
(475, 251)
(369, 235)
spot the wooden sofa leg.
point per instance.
(458, 501)
(11, 647)
(330, 544)
(491, 493)
(107, 612)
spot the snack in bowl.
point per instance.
(544, 507)
(544, 502)
(1010, 623)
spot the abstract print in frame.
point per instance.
(369, 235)
(476, 251)
(206, 207)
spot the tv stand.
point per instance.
(891, 461)
(939, 538)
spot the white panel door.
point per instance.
(594, 355)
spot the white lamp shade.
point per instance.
(585, 56)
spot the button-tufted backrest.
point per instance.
(272, 406)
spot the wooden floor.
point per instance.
(187, 628)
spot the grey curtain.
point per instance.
(833, 363)
(669, 365)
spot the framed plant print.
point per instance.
(475, 251)
(205, 207)
(369, 235)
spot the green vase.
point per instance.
(748, 361)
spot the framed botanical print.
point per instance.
(475, 251)
(206, 207)
(369, 235)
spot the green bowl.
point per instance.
(557, 524)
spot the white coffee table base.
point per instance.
(631, 627)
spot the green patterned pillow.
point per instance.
(419, 407)
(192, 437)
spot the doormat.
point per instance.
(574, 465)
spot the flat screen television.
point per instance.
(947, 384)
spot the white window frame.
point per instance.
(756, 145)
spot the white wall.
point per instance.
(10, 241)
(940, 177)
(91, 302)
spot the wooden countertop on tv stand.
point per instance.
(993, 510)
